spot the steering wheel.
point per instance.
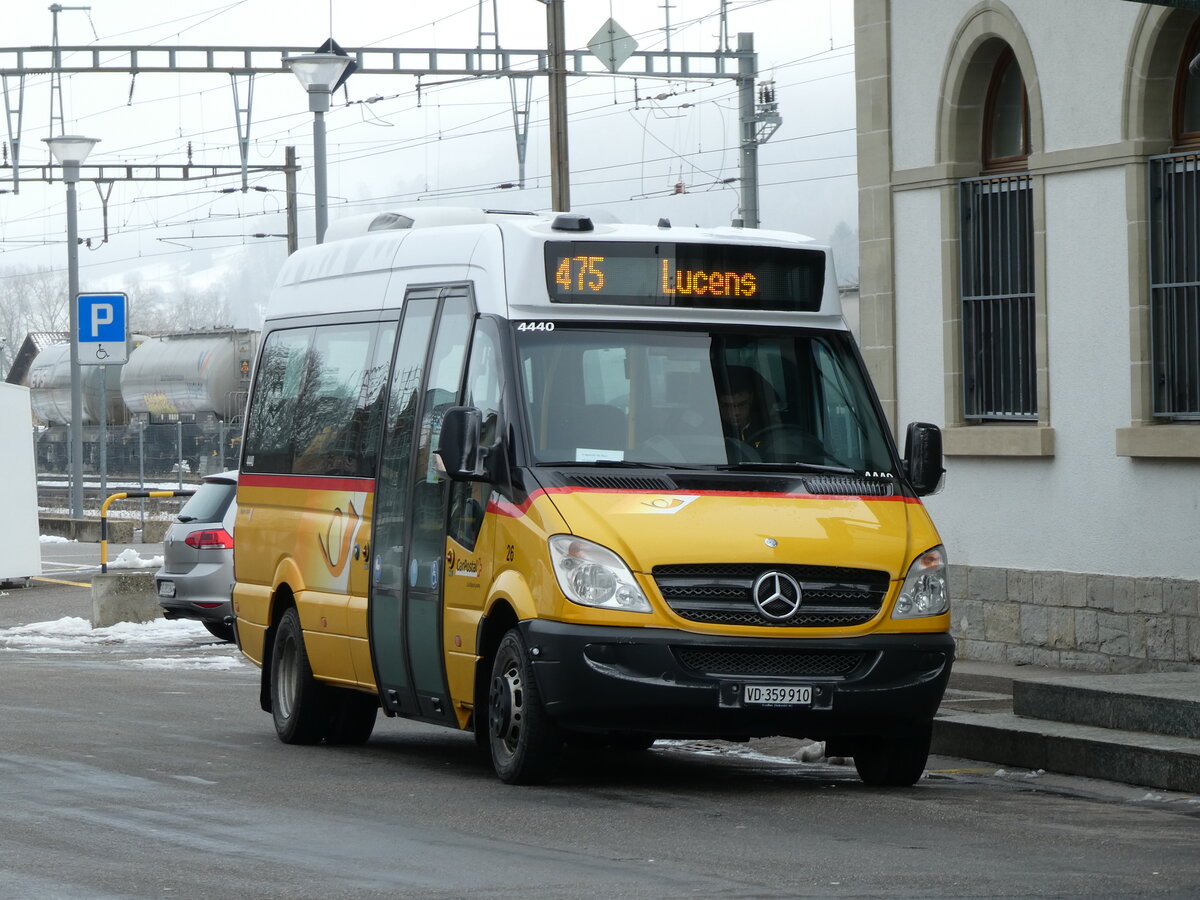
(785, 443)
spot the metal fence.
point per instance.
(141, 453)
(1175, 285)
(998, 313)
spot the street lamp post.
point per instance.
(71, 150)
(319, 73)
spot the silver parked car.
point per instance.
(196, 580)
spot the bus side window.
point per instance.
(368, 430)
(484, 391)
(328, 432)
(270, 433)
(391, 496)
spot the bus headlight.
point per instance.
(926, 591)
(591, 575)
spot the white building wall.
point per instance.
(919, 39)
(1079, 54)
(1084, 509)
(1079, 49)
(920, 361)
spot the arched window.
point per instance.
(997, 260)
(1174, 194)
(1187, 95)
(1006, 117)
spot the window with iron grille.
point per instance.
(998, 330)
(1175, 285)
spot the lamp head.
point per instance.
(318, 72)
(71, 148)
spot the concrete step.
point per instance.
(1166, 703)
(1134, 757)
(991, 678)
(976, 701)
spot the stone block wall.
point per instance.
(1095, 623)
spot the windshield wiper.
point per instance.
(787, 466)
(620, 464)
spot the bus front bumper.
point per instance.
(675, 684)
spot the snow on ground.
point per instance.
(131, 559)
(72, 634)
(55, 539)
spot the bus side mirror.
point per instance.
(458, 444)
(923, 457)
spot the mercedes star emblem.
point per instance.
(777, 595)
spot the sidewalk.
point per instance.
(1139, 729)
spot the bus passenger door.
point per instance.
(405, 606)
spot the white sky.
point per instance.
(450, 146)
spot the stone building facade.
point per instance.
(1029, 219)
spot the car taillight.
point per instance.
(210, 539)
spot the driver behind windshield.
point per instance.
(742, 404)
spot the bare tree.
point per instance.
(31, 301)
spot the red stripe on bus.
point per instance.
(504, 507)
(309, 482)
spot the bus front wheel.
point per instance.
(299, 705)
(525, 744)
(893, 762)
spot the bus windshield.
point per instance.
(713, 396)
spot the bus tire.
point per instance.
(893, 761)
(352, 717)
(299, 703)
(525, 744)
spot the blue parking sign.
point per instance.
(101, 329)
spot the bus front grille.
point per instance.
(723, 594)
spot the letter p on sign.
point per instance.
(102, 314)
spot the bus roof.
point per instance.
(507, 256)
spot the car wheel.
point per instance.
(220, 630)
(525, 743)
(299, 703)
(893, 761)
(352, 717)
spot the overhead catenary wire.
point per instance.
(289, 124)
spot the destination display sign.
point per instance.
(706, 276)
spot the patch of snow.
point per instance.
(55, 539)
(131, 559)
(221, 663)
(72, 634)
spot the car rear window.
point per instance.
(209, 503)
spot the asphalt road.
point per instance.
(143, 769)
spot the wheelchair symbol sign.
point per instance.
(101, 329)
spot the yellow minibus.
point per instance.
(567, 483)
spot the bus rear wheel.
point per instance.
(352, 717)
(299, 703)
(525, 744)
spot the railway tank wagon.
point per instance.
(198, 374)
(178, 396)
(50, 389)
(188, 391)
(49, 382)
